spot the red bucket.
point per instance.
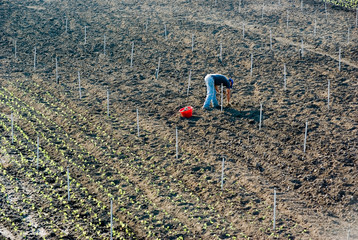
(186, 112)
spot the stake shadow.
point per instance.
(253, 115)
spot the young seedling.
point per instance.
(222, 173)
(176, 143)
(260, 122)
(12, 128)
(328, 92)
(252, 63)
(107, 102)
(305, 140)
(137, 123)
(274, 209)
(56, 70)
(189, 80)
(222, 96)
(79, 83)
(35, 58)
(132, 54)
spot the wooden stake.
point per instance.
(222, 173)
(274, 209)
(305, 140)
(137, 123)
(132, 54)
(79, 83)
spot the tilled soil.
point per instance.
(155, 192)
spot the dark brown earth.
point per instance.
(157, 195)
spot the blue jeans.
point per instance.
(210, 93)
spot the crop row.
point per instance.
(53, 187)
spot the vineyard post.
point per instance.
(243, 30)
(165, 31)
(137, 123)
(111, 219)
(251, 65)
(221, 52)
(189, 79)
(240, 6)
(107, 102)
(348, 234)
(176, 142)
(328, 92)
(315, 27)
(37, 153)
(157, 72)
(339, 59)
(146, 26)
(56, 71)
(325, 10)
(222, 173)
(68, 184)
(12, 128)
(262, 11)
(302, 50)
(15, 48)
(66, 24)
(270, 39)
(79, 83)
(284, 77)
(192, 42)
(287, 19)
(274, 209)
(132, 54)
(35, 53)
(301, 5)
(305, 140)
(85, 34)
(260, 122)
(222, 97)
(357, 17)
(279, 2)
(348, 33)
(104, 45)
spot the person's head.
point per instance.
(231, 82)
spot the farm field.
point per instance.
(90, 92)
